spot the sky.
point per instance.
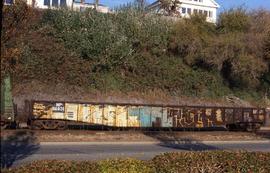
(225, 4)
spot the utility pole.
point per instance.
(7, 109)
(1, 22)
(141, 4)
(96, 4)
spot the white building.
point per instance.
(81, 6)
(77, 5)
(189, 7)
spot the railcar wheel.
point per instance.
(36, 125)
(249, 128)
(62, 125)
(230, 127)
(51, 124)
(3, 126)
(253, 127)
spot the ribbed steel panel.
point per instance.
(71, 111)
(85, 111)
(58, 111)
(96, 112)
(109, 112)
(156, 116)
(167, 120)
(145, 116)
(121, 116)
(134, 116)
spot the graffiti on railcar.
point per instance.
(58, 111)
(121, 116)
(156, 116)
(72, 111)
(85, 113)
(188, 117)
(146, 116)
(48, 110)
(96, 114)
(196, 117)
(175, 113)
(109, 113)
(219, 117)
(255, 113)
(261, 115)
(208, 118)
(182, 117)
(167, 119)
(199, 118)
(134, 116)
(247, 115)
(237, 115)
(251, 114)
(229, 116)
(42, 110)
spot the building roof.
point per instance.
(157, 3)
(214, 2)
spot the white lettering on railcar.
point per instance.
(58, 107)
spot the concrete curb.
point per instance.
(156, 142)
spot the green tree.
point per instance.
(233, 20)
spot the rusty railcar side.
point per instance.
(46, 114)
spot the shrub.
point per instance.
(56, 166)
(234, 20)
(211, 162)
(124, 166)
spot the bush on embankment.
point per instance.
(131, 51)
(211, 162)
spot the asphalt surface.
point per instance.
(17, 152)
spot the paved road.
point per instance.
(14, 154)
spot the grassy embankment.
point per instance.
(129, 51)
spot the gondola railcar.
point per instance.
(59, 115)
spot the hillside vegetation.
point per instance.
(133, 51)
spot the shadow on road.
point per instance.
(171, 140)
(17, 146)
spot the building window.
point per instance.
(55, 3)
(47, 2)
(189, 11)
(8, 1)
(195, 11)
(63, 3)
(200, 12)
(200, 0)
(205, 13)
(184, 10)
(210, 14)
